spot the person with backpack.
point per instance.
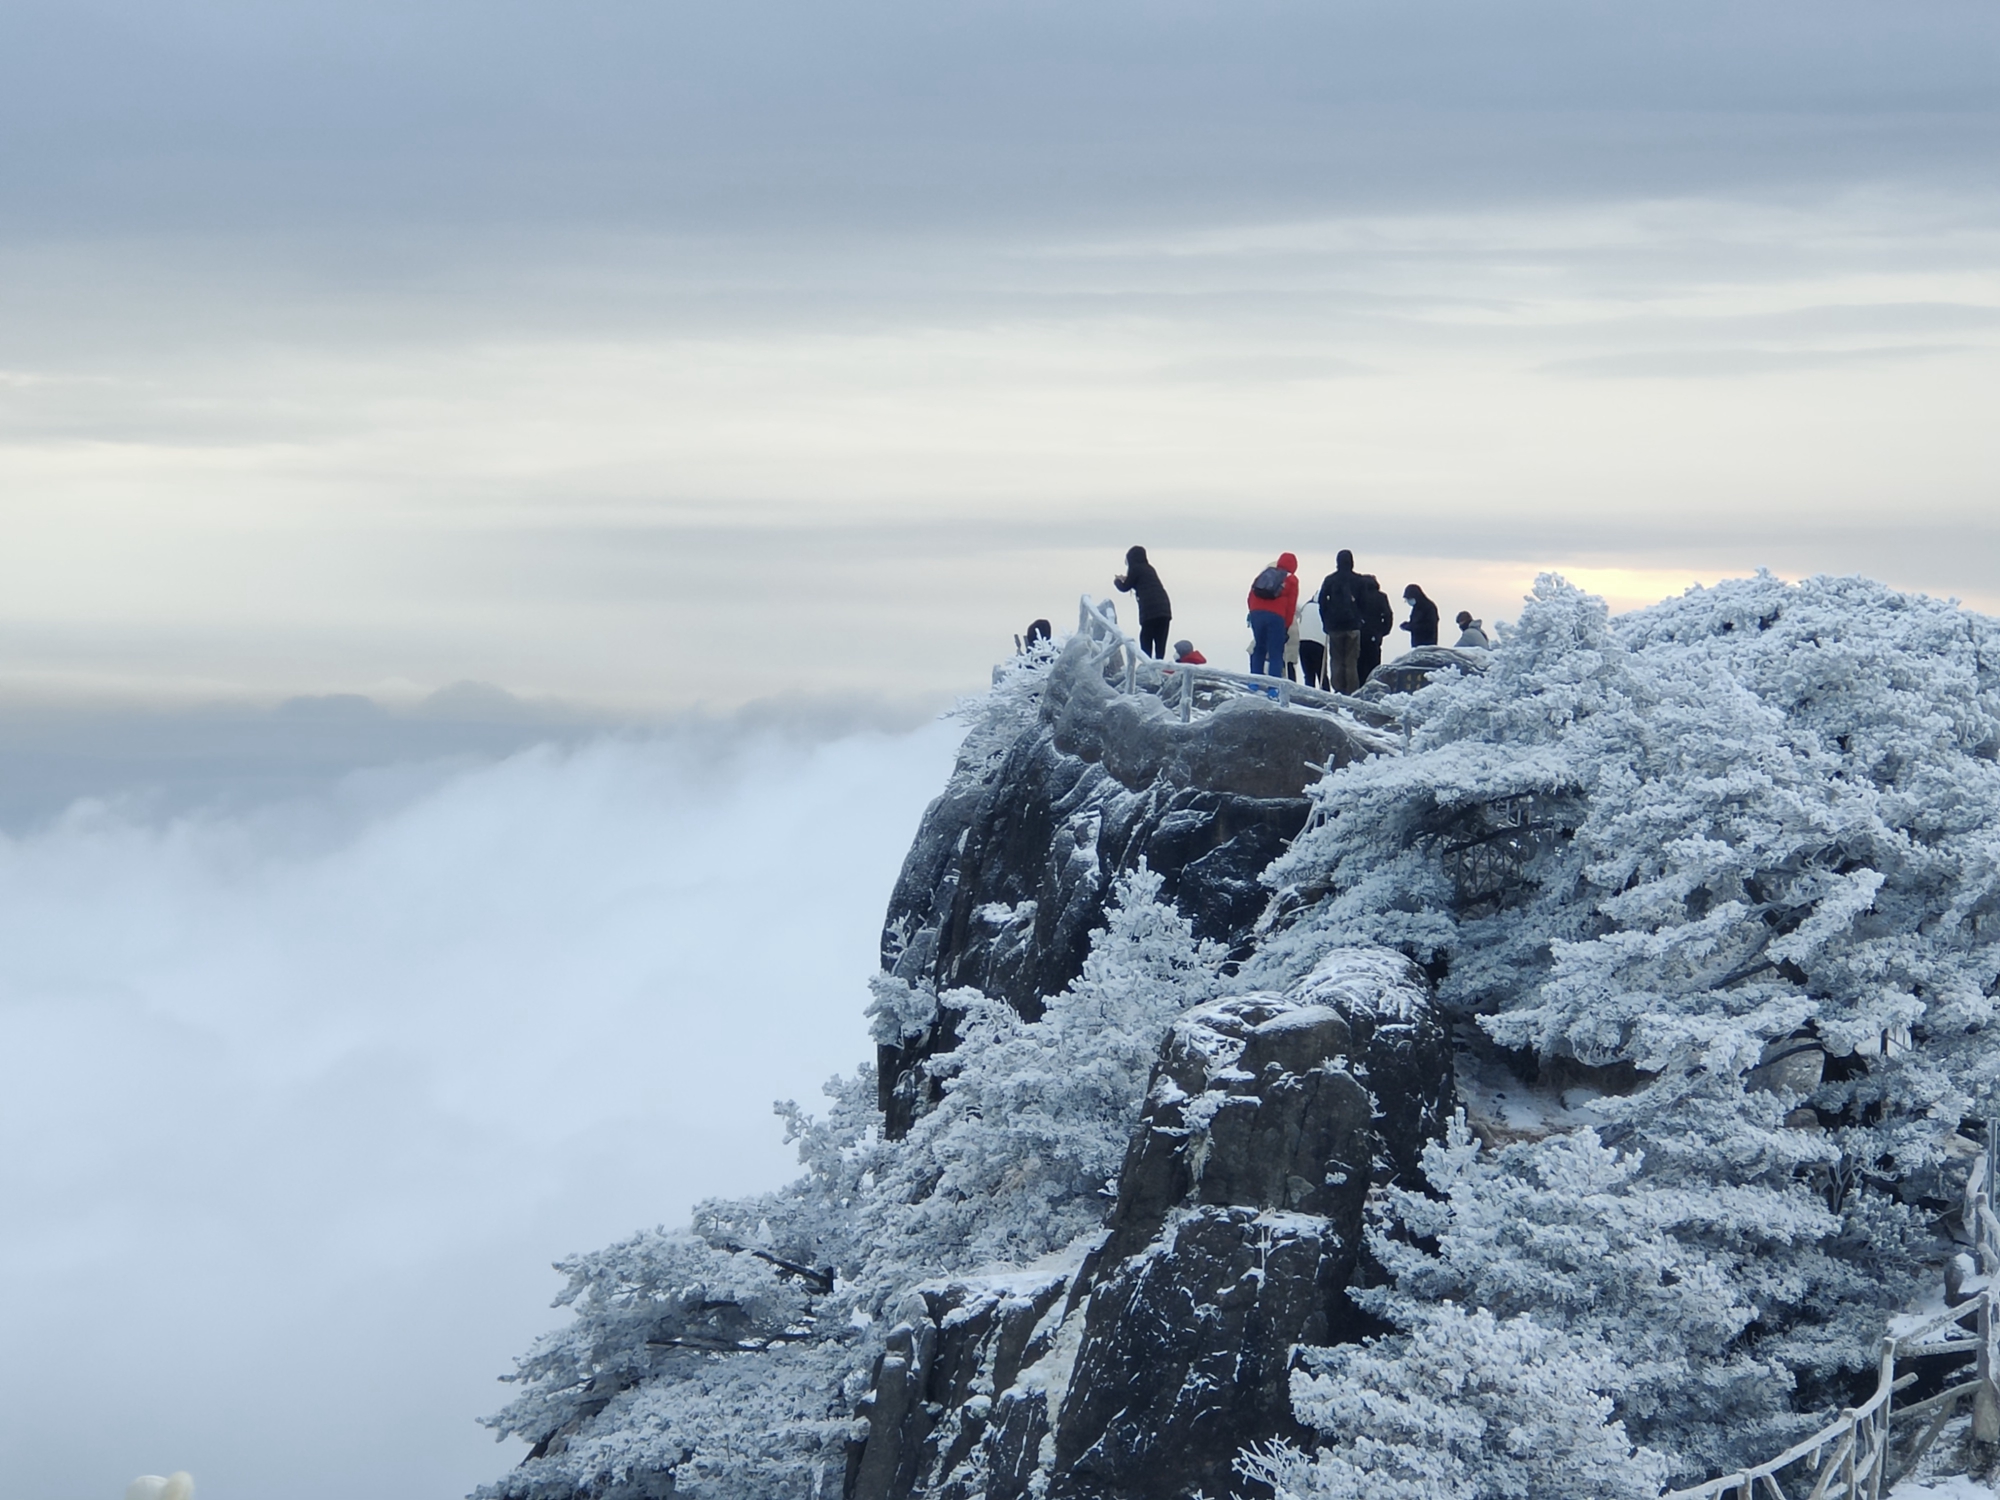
(1340, 613)
(1423, 621)
(1274, 599)
(1156, 613)
(1378, 618)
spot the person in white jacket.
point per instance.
(1308, 647)
(1470, 631)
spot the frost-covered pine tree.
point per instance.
(726, 1359)
(1020, 1155)
(1658, 1280)
(1459, 1406)
(1757, 819)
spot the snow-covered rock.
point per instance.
(1238, 1223)
(1062, 785)
(1413, 669)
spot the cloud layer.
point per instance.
(303, 1098)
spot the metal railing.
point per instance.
(1179, 683)
(1856, 1457)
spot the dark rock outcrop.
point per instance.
(1187, 1353)
(1238, 1223)
(1246, 746)
(1236, 1231)
(929, 1414)
(1012, 866)
(1413, 669)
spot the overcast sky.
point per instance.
(643, 354)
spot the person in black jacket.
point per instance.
(1340, 611)
(1423, 621)
(1378, 618)
(1156, 612)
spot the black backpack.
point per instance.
(1270, 583)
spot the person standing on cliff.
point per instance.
(1340, 612)
(1156, 613)
(1423, 621)
(1274, 598)
(1378, 618)
(1311, 638)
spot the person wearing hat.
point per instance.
(1186, 656)
(1470, 631)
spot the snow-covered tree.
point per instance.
(726, 1359)
(1663, 1279)
(1459, 1406)
(1758, 818)
(1020, 1154)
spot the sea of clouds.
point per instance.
(303, 1095)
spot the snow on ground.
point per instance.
(1501, 1108)
(1953, 1487)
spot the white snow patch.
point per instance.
(1929, 1307)
(1021, 1283)
(1502, 1108)
(1952, 1487)
(1365, 981)
(1303, 1019)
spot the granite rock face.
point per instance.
(1013, 865)
(1414, 668)
(1238, 1223)
(1139, 1369)
(1140, 1373)
(930, 1415)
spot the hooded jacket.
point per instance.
(1141, 579)
(1340, 599)
(1378, 615)
(1287, 602)
(1423, 621)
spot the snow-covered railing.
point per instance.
(1178, 683)
(1854, 1457)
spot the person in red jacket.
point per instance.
(1186, 656)
(1273, 598)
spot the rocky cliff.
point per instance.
(1141, 1370)
(1011, 868)
(1693, 913)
